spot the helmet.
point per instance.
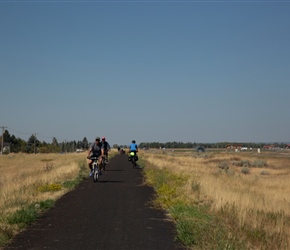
(133, 141)
(103, 138)
(98, 138)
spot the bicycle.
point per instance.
(133, 158)
(104, 162)
(95, 168)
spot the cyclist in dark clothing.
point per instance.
(107, 148)
(96, 150)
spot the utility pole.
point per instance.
(3, 127)
(34, 141)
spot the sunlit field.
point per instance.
(29, 183)
(218, 199)
(25, 178)
(248, 191)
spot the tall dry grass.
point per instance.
(30, 178)
(259, 198)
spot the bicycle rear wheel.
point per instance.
(95, 173)
(133, 161)
(104, 164)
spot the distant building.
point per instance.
(234, 146)
(6, 147)
(271, 147)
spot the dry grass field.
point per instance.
(245, 195)
(24, 176)
(29, 179)
(248, 191)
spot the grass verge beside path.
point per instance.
(196, 226)
(201, 222)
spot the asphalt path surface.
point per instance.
(114, 213)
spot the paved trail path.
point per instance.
(114, 213)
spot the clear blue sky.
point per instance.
(153, 71)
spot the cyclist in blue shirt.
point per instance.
(133, 148)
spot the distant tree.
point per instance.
(54, 147)
(44, 148)
(79, 145)
(85, 143)
(68, 147)
(54, 142)
(17, 145)
(74, 146)
(32, 144)
(62, 147)
(7, 136)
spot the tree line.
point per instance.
(33, 145)
(175, 144)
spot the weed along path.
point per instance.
(114, 213)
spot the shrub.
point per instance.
(242, 163)
(237, 163)
(48, 166)
(259, 163)
(246, 163)
(223, 165)
(264, 172)
(195, 186)
(245, 170)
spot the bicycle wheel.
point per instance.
(133, 161)
(104, 164)
(95, 173)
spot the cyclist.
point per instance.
(107, 148)
(133, 148)
(96, 150)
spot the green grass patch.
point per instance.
(167, 186)
(191, 223)
(21, 218)
(27, 215)
(197, 227)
